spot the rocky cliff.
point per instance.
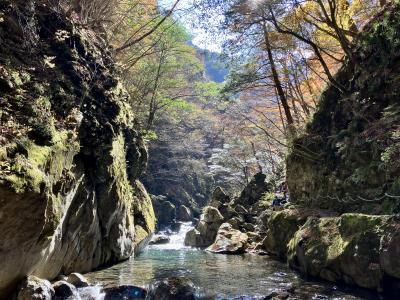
(348, 159)
(70, 198)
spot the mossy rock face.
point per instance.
(354, 248)
(281, 227)
(348, 158)
(70, 199)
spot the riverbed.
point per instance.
(219, 276)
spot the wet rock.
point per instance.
(193, 238)
(352, 248)
(184, 214)
(172, 289)
(175, 225)
(229, 241)
(78, 280)
(159, 240)
(125, 292)
(277, 295)
(33, 288)
(64, 290)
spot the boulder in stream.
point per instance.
(229, 241)
(358, 249)
(159, 240)
(184, 214)
(173, 288)
(206, 230)
(78, 280)
(125, 292)
(64, 290)
(33, 288)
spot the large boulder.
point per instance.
(211, 215)
(253, 192)
(219, 197)
(78, 280)
(206, 230)
(354, 248)
(229, 241)
(173, 288)
(281, 227)
(65, 291)
(193, 238)
(33, 288)
(184, 214)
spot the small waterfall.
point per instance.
(176, 239)
(91, 293)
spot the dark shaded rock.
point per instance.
(229, 241)
(159, 240)
(248, 227)
(33, 288)
(173, 288)
(235, 222)
(219, 197)
(78, 280)
(125, 292)
(175, 226)
(240, 209)
(64, 290)
(184, 214)
(164, 210)
(253, 192)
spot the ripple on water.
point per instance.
(220, 276)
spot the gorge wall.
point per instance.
(70, 198)
(349, 156)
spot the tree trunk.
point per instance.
(277, 82)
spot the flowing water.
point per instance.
(216, 275)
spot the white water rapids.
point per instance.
(176, 239)
(176, 242)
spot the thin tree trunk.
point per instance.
(277, 82)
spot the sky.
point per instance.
(187, 16)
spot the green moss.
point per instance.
(266, 199)
(41, 164)
(118, 170)
(351, 224)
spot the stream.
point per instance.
(216, 276)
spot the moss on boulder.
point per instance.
(352, 248)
